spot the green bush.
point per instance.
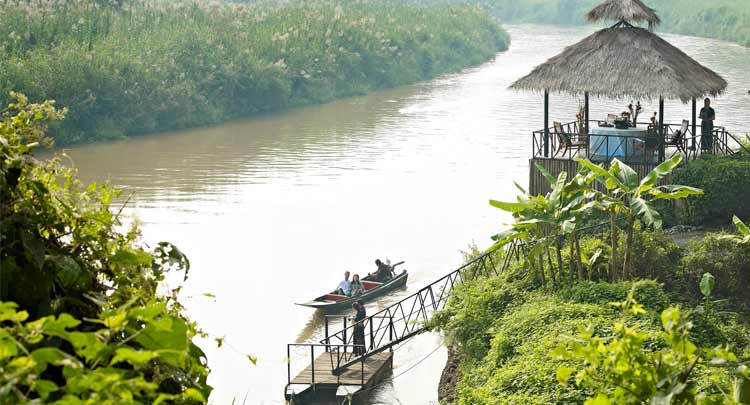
(647, 292)
(81, 319)
(724, 19)
(143, 66)
(727, 261)
(726, 184)
(506, 335)
(474, 306)
(656, 256)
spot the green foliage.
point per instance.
(473, 307)
(545, 223)
(726, 186)
(725, 259)
(143, 66)
(656, 256)
(80, 317)
(519, 329)
(724, 19)
(624, 367)
(647, 292)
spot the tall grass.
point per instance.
(129, 67)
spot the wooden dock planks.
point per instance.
(374, 366)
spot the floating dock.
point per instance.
(317, 383)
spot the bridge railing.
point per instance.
(406, 318)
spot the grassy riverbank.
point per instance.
(603, 307)
(507, 332)
(140, 66)
(723, 19)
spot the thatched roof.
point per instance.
(624, 61)
(624, 10)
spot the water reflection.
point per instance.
(272, 210)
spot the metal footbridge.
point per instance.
(335, 362)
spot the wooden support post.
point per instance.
(586, 111)
(662, 152)
(312, 364)
(546, 123)
(695, 118)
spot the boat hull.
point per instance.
(396, 282)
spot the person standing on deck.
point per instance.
(359, 328)
(707, 115)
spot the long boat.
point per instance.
(373, 289)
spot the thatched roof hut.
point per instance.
(624, 61)
(624, 10)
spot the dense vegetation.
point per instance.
(546, 331)
(130, 67)
(81, 320)
(724, 19)
(726, 183)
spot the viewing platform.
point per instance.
(641, 147)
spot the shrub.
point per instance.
(648, 292)
(726, 186)
(86, 323)
(727, 261)
(656, 256)
(473, 307)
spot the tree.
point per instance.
(629, 197)
(547, 222)
(80, 317)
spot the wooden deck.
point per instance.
(374, 367)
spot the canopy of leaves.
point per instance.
(80, 317)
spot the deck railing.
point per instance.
(569, 142)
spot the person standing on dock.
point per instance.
(708, 115)
(359, 328)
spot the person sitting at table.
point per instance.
(707, 115)
(654, 122)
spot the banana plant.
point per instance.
(630, 197)
(545, 222)
(743, 232)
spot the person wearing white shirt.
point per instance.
(345, 286)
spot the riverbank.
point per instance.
(152, 66)
(511, 339)
(721, 19)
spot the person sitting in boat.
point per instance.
(345, 286)
(356, 286)
(383, 273)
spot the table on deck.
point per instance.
(614, 142)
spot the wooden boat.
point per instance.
(373, 289)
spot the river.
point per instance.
(271, 210)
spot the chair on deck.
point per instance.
(678, 137)
(566, 142)
(649, 144)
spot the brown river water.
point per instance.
(271, 210)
